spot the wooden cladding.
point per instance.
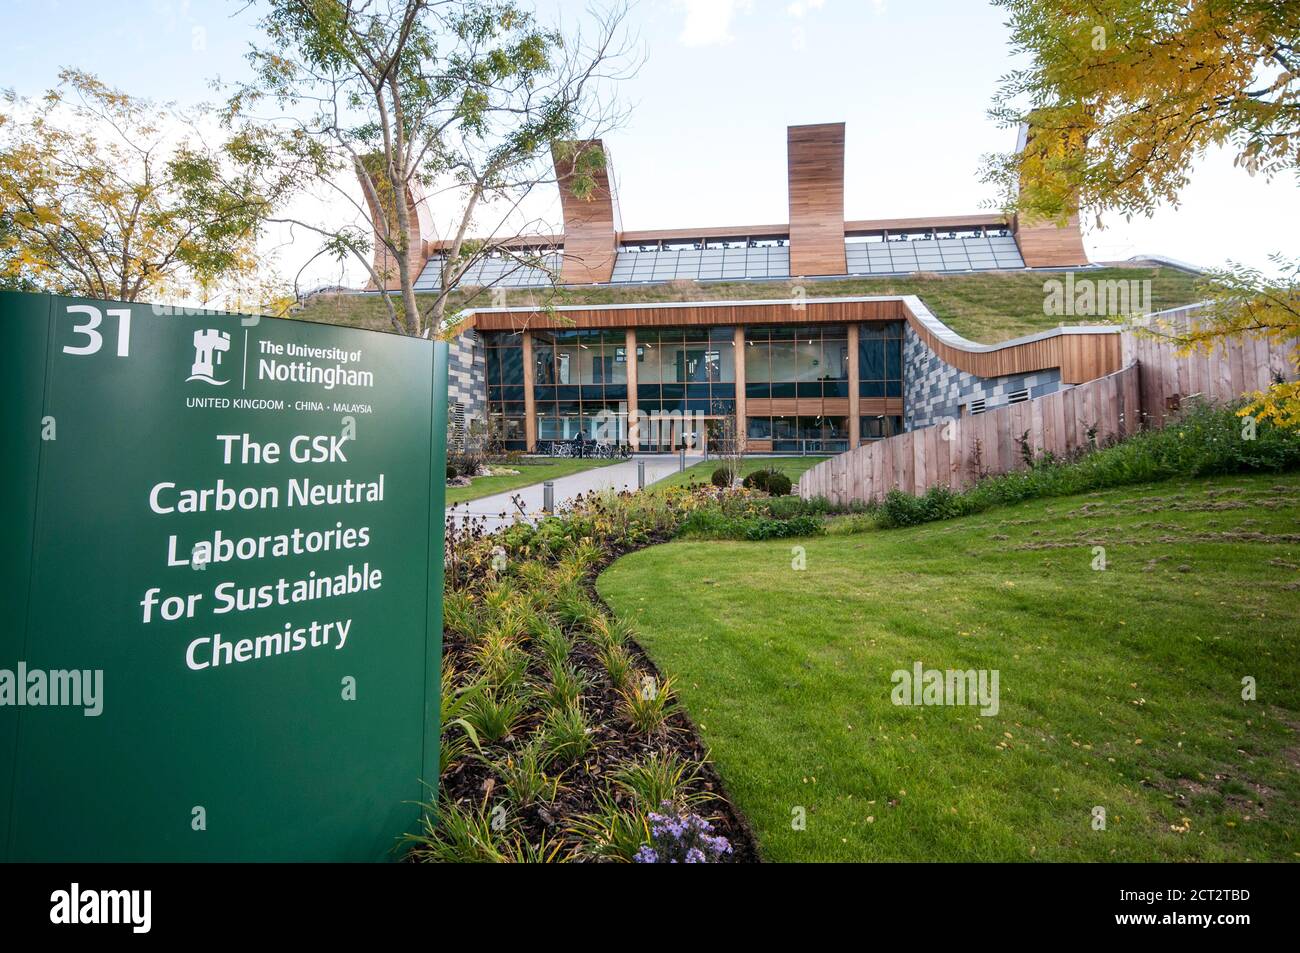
(821, 406)
(1152, 386)
(728, 315)
(384, 222)
(956, 454)
(591, 224)
(797, 406)
(1081, 356)
(815, 158)
(1048, 245)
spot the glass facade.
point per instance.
(504, 365)
(788, 360)
(796, 434)
(683, 371)
(580, 381)
(876, 428)
(880, 360)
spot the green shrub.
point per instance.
(787, 507)
(565, 685)
(451, 471)
(662, 776)
(611, 831)
(617, 663)
(524, 776)
(778, 484)
(756, 480)
(721, 477)
(648, 706)
(714, 522)
(494, 715)
(567, 735)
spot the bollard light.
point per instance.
(640, 474)
(548, 497)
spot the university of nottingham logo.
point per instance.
(209, 345)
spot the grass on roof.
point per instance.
(987, 307)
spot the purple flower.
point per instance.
(685, 838)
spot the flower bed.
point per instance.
(561, 741)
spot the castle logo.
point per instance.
(209, 345)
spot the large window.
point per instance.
(504, 367)
(880, 359)
(876, 428)
(681, 370)
(785, 361)
(796, 434)
(580, 384)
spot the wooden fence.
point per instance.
(1239, 365)
(957, 453)
(1145, 392)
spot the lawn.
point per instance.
(987, 307)
(1119, 689)
(530, 472)
(793, 467)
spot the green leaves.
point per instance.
(111, 196)
(462, 98)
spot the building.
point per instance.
(803, 374)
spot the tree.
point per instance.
(727, 439)
(1245, 301)
(450, 107)
(110, 196)
(1123, 96)
(15, 274)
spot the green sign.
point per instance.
(220, 622)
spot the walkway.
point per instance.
(500, 509)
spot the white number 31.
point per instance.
(90, 330)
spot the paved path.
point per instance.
(499, 509)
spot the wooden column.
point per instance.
(633, 436)
(530, 405)
(742, 424)
(591, 224)
(815, 167)
(855, 426)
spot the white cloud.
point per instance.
(708, 22)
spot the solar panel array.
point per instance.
(943, 254)
(494, 272)
(770, 261)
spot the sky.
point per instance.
(704, 139)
